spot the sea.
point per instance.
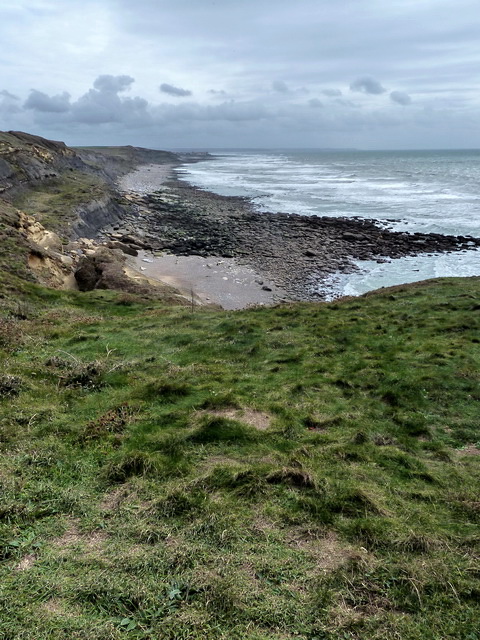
(426, 191)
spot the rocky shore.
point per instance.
(291, 251)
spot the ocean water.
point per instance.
(427, 191)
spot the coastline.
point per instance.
(218, 280)
(287, 256)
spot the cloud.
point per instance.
(400, 98)
(8, 103)
(280, 86)
(6, 94)
(421, 48)
(113, 84)
(333, 93)
(230, 111)
(99, 107)
(174, 91)
(39, 101)
(315, 103)
(367, 85)
(101, 104)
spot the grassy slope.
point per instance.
(14, 250)
(135, 506)
(54, 204)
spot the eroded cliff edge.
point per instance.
(53, 199)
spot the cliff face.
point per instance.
(70, 190)
(51, 195)
(27, 160)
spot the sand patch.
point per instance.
(146, 178)
(212, 280)
(113, 500)
(58, 607)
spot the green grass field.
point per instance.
(305, 471)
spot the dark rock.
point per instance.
(87, 274)
(130, 251)
(352, 237)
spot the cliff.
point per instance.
(53, 196)
(69, 190)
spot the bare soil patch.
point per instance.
(470, 450)
(256, 419)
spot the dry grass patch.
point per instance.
(72, 538)
(256, 419)
(26, 562)
(328, 552)
(114, 499)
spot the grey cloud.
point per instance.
(113, 84)
(280, 86)
(7, 94)
(333, 93)
(174, 91)
(230, 111)
(346, 103)
(400, 98)
(96, 107)
(315, 103)
(39, 101)
(102, 104)
(9, 104)
(367, 85)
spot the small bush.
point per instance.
(114, 421)
(246, 483)
(10, 386)
(74, 373)
(180, 503)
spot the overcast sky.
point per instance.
(372, 74)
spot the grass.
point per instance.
(140, 500)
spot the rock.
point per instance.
(123, 247)
(352, 237)
(86, 275)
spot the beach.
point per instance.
(219, 250)
(217, 280)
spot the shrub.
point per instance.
(10, 386)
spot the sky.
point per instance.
(367, 74)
